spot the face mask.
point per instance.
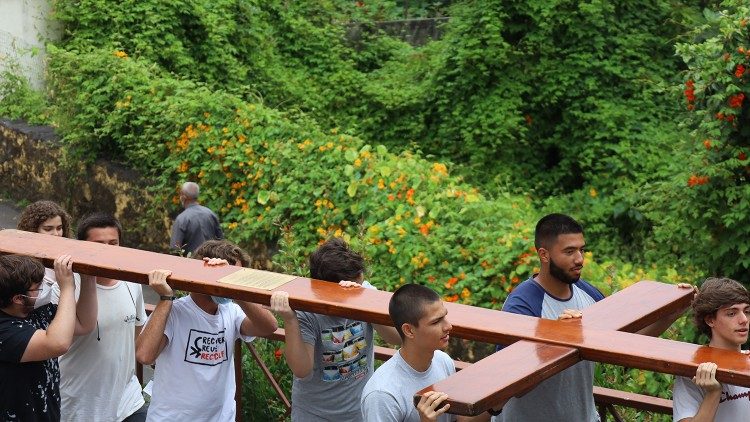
(220, 300)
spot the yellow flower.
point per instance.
(593, 193)
(121, 54)
(440, 169)
(357, 162)
(233, 225)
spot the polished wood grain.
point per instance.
(522, 366)
(594, 337)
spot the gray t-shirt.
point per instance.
(564, 397)
(734, 404)
(343, 363)
(388, 396)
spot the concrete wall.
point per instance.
(25, 26)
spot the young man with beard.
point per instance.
(558, 292)
(29, 389)
(420, 319)
(721, 311)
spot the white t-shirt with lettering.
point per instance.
(194, 374)
(734, 404)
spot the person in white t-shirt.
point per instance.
(191, 339)
(97, 375)
(419, 316)
(722, 312)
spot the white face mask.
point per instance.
(220, 300)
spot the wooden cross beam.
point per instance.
(545, 346)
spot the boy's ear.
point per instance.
(709, 320)
(408, 330)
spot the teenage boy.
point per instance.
(191, 339)
(29, 389)
(558, 292)
(97, 375)
(721, 311)
(420, 319)
(331, 357)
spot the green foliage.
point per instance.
(19, 101)
(297, 134)
(269, 176)
(701, 209)
(259, 400)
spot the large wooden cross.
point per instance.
(539, 348)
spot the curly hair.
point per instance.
(35, 214)
(714, 294)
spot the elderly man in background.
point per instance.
(196, 224)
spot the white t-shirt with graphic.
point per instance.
(734, 404)
(97, 375)
(194, 374)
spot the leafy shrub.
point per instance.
(701, 210)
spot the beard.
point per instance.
(560, 274)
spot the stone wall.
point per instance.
(31, 160)
(31, 167)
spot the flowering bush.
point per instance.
(701, 211)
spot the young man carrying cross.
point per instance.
(97, 375)
(420, 319)
(331, 357)
(721, 311)
(29, 387)
(558, 292)
(191, 339)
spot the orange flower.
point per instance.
(465, 293)
(707, 144)
(742, 156)
(425, 229)
(452, 298)
(277, 354)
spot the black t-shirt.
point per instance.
(29, 391)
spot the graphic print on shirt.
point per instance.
(344, 352)
(204, 348)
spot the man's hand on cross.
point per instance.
(428, 406)
(705, 377)
(570, 314)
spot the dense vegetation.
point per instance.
(435, 161)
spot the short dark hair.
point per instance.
(98, 220)
(407, 305)
(335, 261)
(222, 249)
(17, 274)
(552, 225)
(35, 214)
(714, 294)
